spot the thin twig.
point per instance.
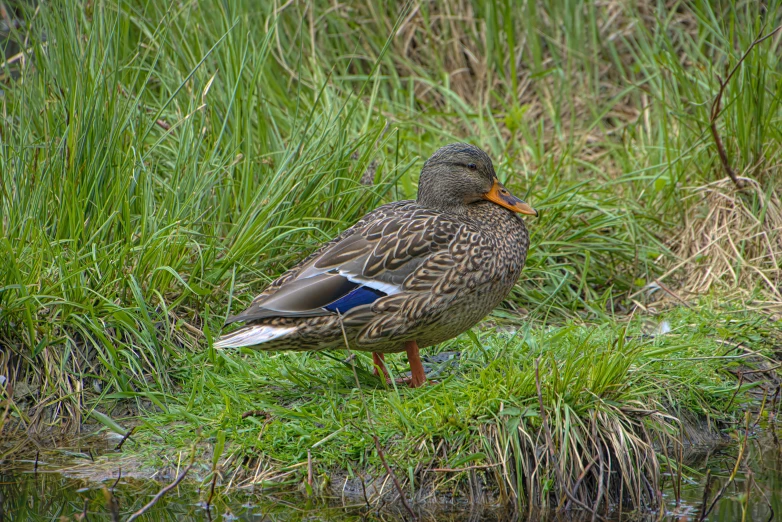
(706, 492)
(672, 293)
(583, 506)
(745, 506)
(119, 476)
(113, 505)
(678, 465)
(459, 470)
(393, 478)
(161, 494)
(372, 426)
(309, 468)
(83, 514)
(762, 406)
(364, 490)
(211, 489)
(124, 438)
(768, 502)
(738, 387)
(716, 110)
(581, 477)
(742, 450)
(600, 485)
(763, 370)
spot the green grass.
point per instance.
(160, 164)
(613, 397)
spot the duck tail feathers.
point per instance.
(252, 335)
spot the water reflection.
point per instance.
(754, 495)
(43, 495)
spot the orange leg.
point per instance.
(379, 361)
(418, 376)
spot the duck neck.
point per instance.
(439, 189)
(459, 209)
(441, 200)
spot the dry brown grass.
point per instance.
(731, 239)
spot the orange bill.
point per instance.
(502, 196)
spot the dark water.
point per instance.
(31, 495)
(754, 495)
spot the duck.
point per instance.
(408, 275)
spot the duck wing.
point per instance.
(373, 259)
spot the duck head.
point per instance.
(460, 174)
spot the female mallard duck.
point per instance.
(408, 275)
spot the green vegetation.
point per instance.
(612, 395)
(161, 162)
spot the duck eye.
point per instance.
(472, 166)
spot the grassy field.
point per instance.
(160, 163)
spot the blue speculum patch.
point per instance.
(360, 296)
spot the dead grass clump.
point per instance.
(732, 239)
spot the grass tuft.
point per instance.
(616, 405)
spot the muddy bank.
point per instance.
(57, 488)
(91, 470)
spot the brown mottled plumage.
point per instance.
(409, 273)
